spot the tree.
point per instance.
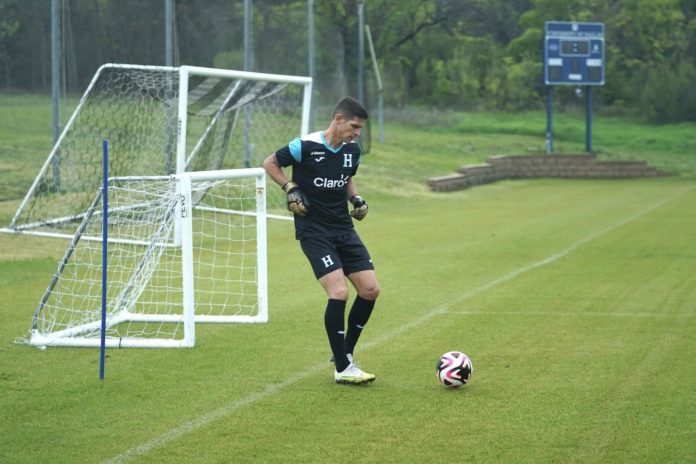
(9, 26)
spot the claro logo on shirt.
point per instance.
(331, 183)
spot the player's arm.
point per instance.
(297, 202)
(275, 170)
(359, 210)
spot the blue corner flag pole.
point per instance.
(105, 236)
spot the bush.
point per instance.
(523, 89)
(668, 94)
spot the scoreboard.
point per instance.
(573, 53)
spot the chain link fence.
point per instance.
(86, 34)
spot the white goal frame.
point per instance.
(44, 224)
(182, 218)
(186, 71)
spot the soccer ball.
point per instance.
(454, 369)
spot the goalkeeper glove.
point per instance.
(298, 203)
(359, 210)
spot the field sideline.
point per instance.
(574, 300)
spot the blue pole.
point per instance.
(549, 119)
(588, 119)
(105, 236)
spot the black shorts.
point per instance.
(326, 254)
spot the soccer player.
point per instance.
(323, 166)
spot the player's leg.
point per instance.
(328, 269)
(365, 283)
(367, 287)
(327, 266)
(357, 265)
(334, 284)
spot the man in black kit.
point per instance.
(323, 166)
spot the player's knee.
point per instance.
(370, 292)
(338, 293)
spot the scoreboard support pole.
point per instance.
(549, 119)
(588, 119)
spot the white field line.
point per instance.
(229, 408)
(637, 314)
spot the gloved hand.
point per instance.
(359, 210)
(298, 203)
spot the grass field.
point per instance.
(574, 299)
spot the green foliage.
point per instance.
(9, 25)
(526, 46)
(463, 54)
(464, 67)
(650, 31)
(669, 94)
(477, 71)
(229, 60)
(523, 86)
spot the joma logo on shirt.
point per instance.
(331, 183)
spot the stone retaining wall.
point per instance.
(535, 166)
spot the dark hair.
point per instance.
(350, 108)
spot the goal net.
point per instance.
(181, 249)
(162, 121)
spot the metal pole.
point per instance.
(55, 87)
(169, 89)
(361, 51)
(105, 244)
(247, 67)
(380, 116)
(549, 119)
(247, 35)
(169, 32)
(55, 69)
(588, 119)
(310, 57)
(380, 88)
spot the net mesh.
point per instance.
(145, 267)
(230, 123)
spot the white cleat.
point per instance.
(353, 375)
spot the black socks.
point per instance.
(357, 318)
(335, 329)
(340, 341)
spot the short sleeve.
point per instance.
(290, 154)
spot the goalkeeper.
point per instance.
(323, 166)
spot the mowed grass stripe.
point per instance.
(233, 406)
(405, 417)
(612, 387)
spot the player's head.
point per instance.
(349, 119)
(350, 108)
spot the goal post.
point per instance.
(182, 249)
(162, 121)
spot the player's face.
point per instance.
(350, 129)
